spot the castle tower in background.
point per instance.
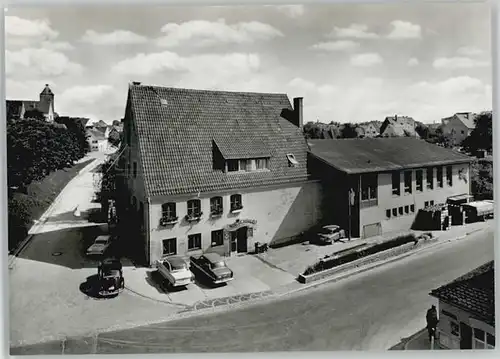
(46, 104)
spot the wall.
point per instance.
(386, 200)
(280, 213)
(454, 128)
(449, 340)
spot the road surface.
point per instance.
(372, 311)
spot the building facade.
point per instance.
(376, 186)
(467, 310)
(214, 171)
(458, 127)
(398, 126)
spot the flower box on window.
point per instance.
(216, 212)
(165, 221)
(236, 208)
(191, 217)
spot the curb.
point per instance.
(159, 300)
(42, 220)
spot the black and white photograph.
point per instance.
(249, 178)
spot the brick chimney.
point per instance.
(298, 112)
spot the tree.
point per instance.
(423, 131)
(312, 130)
(114, 138)
(481, 136)
(348, 131)
(116, 123)
(34, 114)
(482, 179)
(77, 129)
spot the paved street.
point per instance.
(371, 311)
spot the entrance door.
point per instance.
(233, 241)
(242, 240)
(465, 336)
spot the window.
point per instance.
(261, 163)
(135, 169)
(292, 162)
(396, 183)
(94, 141)
(463, 132)
(407, 209)
(217, 238)
(194, 208)
(430, 178)
(454, 328)
(412, 208)
(194, 241)
(439, 176)
(215, 205)
(232, 165)
(394, 212)
(483, 340)
(449, 176)
(169, 246)
(426, 204)
(400, 210)
(490, 340)
(431, 203)
(236, 202)
(388, 213)
(408, 185)
(243, 165)
(129, 171)
(168, 210)
(419, 174)
(369, 187)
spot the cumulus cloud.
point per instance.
(413, 62)
(342, 45)
(84, 94)
(39, 28)
(357, 31)
(117, 37)
(39, 62)
(453, 63)
(211, 64)
(293, 11)
(366, 60)
(206, 33)
(404, 30)
(469, 51)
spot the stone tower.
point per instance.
(47, 101)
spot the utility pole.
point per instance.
(350, 194)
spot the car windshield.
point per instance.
(219, 264)
(326, 231)
(178, 266)
(101, 241)
(111, 273)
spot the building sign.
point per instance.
(241, 223)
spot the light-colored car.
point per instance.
(100, 245)
(175, 270)
(329, 234)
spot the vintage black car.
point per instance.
(211, 266)
(110, 277)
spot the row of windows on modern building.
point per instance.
(169, 210)
(404, 210)
(369, 182)
(194, 242)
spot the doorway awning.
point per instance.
(239, 223)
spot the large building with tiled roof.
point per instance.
(17, 108)
(398, 126)
(467, 310)
(373, 186)
(215, 170)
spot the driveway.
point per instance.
(46, 298)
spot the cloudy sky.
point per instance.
(351, 63)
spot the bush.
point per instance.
(352, 254)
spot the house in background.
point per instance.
(467, 310)
(214, 171)
(96, 140)
(17, 108)
(372, 186)
(459, 126)
(369, 129)
(398, 126)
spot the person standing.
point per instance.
(432, 321)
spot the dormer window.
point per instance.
(233, 165)
(292, 162)
(261, 163)
(163, 102)
(247, 165)
(236, 204)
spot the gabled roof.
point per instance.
(46, 90)
(473, 292)
(96, 134)
(467, 118)
(382, 154)
(180, 131)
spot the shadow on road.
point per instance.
(91, 288)
(156, 280)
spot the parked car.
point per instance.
(100, 245)
(110, 278)
(175, 270)
(328, 235)
(213, 267)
